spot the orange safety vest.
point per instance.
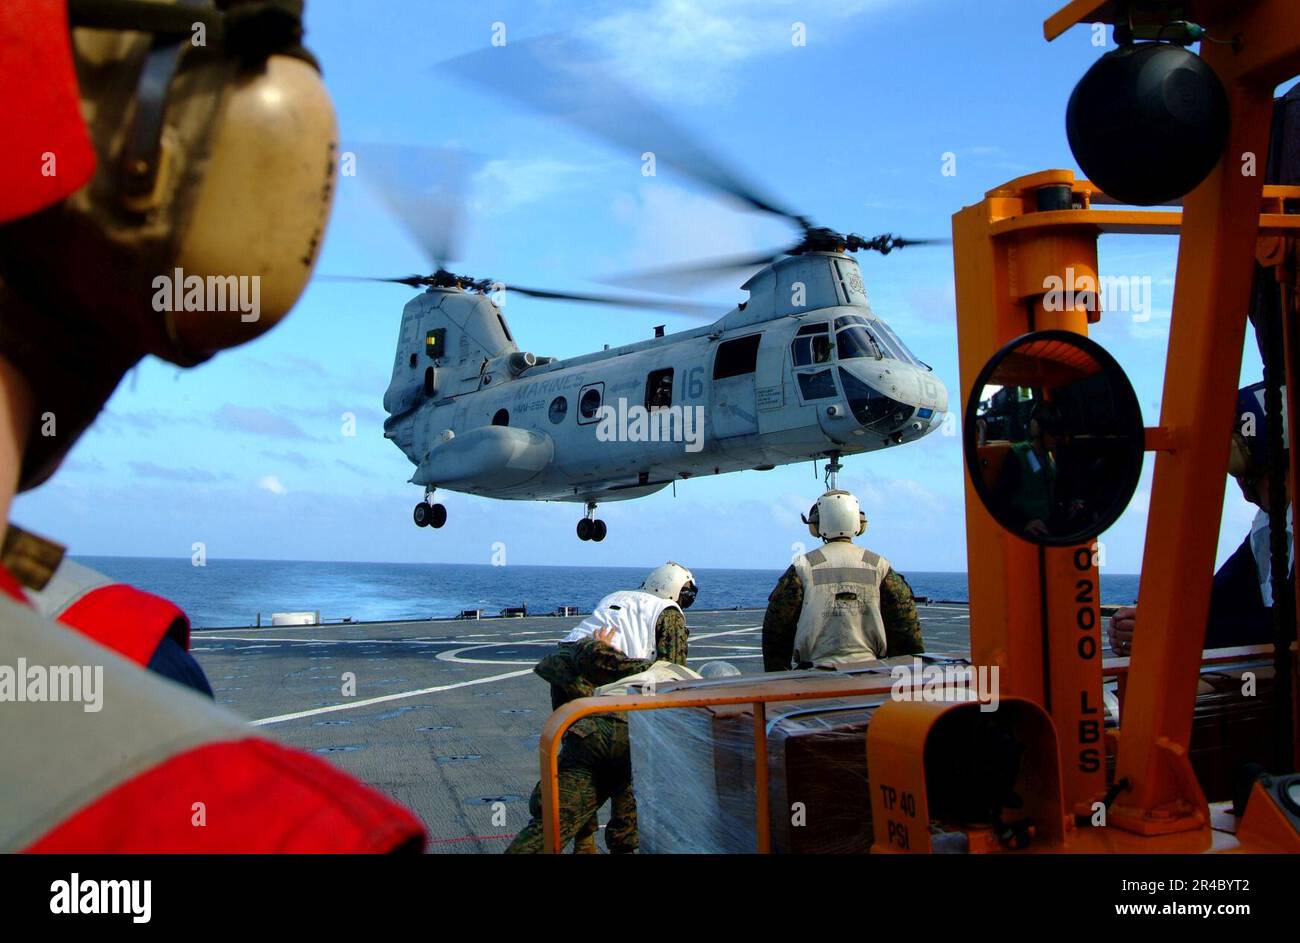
(159, 768)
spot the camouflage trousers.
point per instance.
(595, 766)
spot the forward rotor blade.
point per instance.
(618, 301)
(901, 242)
(559, 77)
(424, 189)
(682, 277)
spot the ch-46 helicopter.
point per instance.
(801, 370)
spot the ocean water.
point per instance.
(234, 592)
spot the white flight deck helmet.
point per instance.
(673, 582)
(836, 514)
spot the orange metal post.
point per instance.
(1211, 295)
(1034, 613)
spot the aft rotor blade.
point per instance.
(560, 77)
(425, 189)
(413, 281)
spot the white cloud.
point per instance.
(272, 484)
(671, 226)
(506, 184)
(689, 49)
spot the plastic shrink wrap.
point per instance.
(693, 768)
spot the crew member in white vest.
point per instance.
(632, 635)
(635, 614)
(840, 603)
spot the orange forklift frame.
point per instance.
(1035, 611)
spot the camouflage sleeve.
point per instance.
(781, 620)
(601, 663)
(671, 636)
(898, 611)
(561, 670)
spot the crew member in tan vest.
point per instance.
(840, 603)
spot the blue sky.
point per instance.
(246, 455)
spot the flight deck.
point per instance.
(444, 716)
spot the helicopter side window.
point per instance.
(736, 357)
(589, 402)
(558, 410)
(818, 384)
(435, 341)
(659, 389)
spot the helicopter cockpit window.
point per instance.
(812, 346)
(894, 343)
(857, 341)
(818, 384)
(849, 319)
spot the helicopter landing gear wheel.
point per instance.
(589, 528)
(428, 514)
(422, 515)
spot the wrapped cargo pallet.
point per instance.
(693, 769)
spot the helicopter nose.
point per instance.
(895, 400)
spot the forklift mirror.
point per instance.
(1054, 438)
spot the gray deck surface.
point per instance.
(446, 714)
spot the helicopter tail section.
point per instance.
(446, 338)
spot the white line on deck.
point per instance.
(751, 628)
(326, 641)
(280, 718)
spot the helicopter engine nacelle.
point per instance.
(520, 361)
(485, 459)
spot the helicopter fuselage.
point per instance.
(803, 369)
